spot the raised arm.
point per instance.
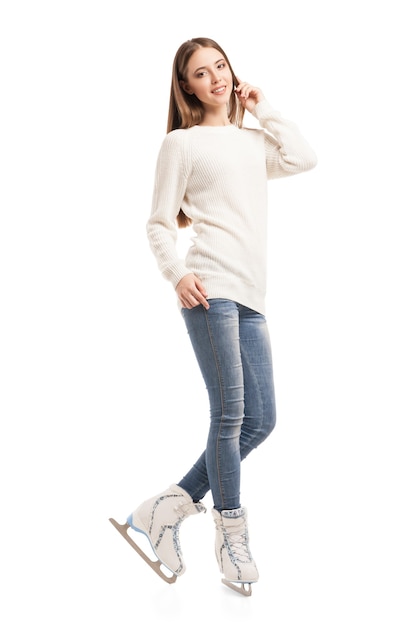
(287, 152)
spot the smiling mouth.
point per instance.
(219, 90)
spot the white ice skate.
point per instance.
(159, 519)
(232, 550)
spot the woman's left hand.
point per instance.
(248, 95)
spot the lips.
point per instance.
(219, 90)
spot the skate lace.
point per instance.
(240, 548)
(238, 542)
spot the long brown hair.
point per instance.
(186, 110)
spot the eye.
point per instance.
(221, 65)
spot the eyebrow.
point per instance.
(204, 67)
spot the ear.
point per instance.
(185, 87)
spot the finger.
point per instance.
(190, 299)
(200, 299)
(201, 288)
(239, 87)
(243, 94)
(239, 84)
(193, 293)
(248, 90)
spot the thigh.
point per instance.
(257, 365)
(215, 336)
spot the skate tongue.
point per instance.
(237, 532)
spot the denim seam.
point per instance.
(221, 386)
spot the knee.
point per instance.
(268, 425)
(253, 435)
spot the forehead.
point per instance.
(203, 57)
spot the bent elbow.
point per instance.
(311, 162)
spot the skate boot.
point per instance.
(232, 550)
(159, 519)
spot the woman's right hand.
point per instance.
(191, 292)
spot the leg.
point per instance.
(215, 344)
(214, 334)
(259, 395)
(260, 411)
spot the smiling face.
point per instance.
(209, 78)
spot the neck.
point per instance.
(215, 118)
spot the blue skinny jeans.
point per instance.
(232, 347)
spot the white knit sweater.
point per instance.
(218, 176)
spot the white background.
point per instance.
(101, 401)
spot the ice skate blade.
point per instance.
(245, 589)
(155, 565)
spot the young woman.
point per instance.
(212, 174)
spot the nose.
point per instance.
(215, 78)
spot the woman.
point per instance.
(212, 173)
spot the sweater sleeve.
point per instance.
(287, 152)
(169, 189)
